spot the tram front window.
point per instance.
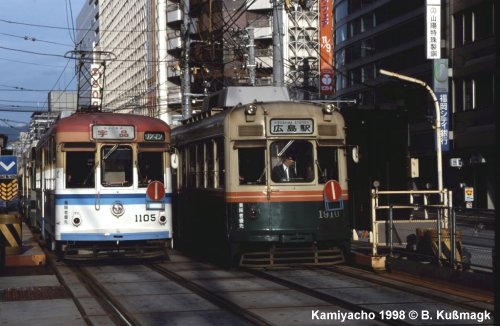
(292, 161)
(150, 167)
(328, 164)
(251, 163)
(80, 169)
(116, 166)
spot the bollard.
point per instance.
(10, 233)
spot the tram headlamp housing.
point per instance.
(252, 213)
(76, 220)
(328, 108)
(250, 112)
(162, 219)
(327, 111)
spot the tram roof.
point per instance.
(80, 122)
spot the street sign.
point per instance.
(8, 166)
(155, 191)
(333, 191)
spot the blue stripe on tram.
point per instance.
(105, 199)
(115, 236)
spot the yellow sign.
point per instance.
(468, 194)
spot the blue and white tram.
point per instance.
(103, 185)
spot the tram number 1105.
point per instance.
(145, 218)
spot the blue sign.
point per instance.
(8, 165)
(440, 87)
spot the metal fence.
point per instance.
(422, 225)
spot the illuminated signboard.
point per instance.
(326, 47)
(104, 132)
(154, 136)
(292, 126)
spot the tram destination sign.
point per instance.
(292, 126)
(154, 136)
(107, 132)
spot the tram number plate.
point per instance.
(328, 214)
(145, 218)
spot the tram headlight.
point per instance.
(252, 213)
(328, 108)
(250, 112)
(162, 219)
(76, 220)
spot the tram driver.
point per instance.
(285, 170)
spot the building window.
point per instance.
(484, 91)
(484, 22)
(468, 90)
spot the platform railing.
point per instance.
(422, 222)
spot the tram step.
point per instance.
(292, 256)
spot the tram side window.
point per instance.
(251, 163)
(150, 167)
(80, 169)
(328, 164)
(219, 171)
(116, 166)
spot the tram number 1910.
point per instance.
(328, 214)
(145, 218)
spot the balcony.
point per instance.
(174, 95)
(263, 29)
(260, 5)
(174, 14)
(174, 43)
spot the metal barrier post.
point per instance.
(453, 239)
(440, 249)
(453, 235)
(426, 215)
(391, 228)
(374, 224)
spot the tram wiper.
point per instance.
(260, 180)
(290, 142)
(111, 151)
(91, 173)
(319, 168)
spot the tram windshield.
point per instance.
(150, 167)
(116, 166)
(327, 163)
(80, 169)
(292, 161)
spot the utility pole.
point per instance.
(251, 55)
(162, 56)
(437, 124)
(278, 75)
(186, 77)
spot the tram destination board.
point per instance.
(292, 126)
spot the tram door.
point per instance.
(292, 176)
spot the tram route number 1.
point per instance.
(145, 218)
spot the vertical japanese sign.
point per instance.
(96, 75)
(433, 28)
(440, 73)
(326, 47)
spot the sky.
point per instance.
(35, 35)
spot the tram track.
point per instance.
(109, 302)
(445, 294)
(349, 306)
(217, 300)
(193, 291)
(374, 287)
